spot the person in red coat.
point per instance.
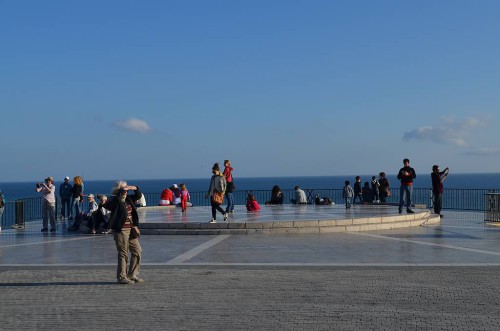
(166, 197)
(252, 204)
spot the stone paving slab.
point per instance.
(258, 299)
(432, 277)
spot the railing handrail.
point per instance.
(453, 198)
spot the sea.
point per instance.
(19, 190)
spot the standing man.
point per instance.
(49, 203)
(65, 195)
(124, 221)
(438, 178)
(406, 175)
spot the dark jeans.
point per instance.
(438, 202)
(215, 207)
(96, 220)
(65, 207)
(357, 195)
(229, 201)
(405, 196)
(383, 196)
(79, 219)
(76, 207)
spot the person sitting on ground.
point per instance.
(85, 216)
(276, 196)
(252, 204)
(101, 215)
(322, 201)
(176, 192)
(300, 197)
(141, 202)
(166, 197)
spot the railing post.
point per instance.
(20, 213)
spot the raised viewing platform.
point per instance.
(279, 219)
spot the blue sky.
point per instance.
(163, 89)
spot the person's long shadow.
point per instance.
(41, 284)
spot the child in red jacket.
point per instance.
(252, 204)
(185, 197)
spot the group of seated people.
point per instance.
(95, 215)
(300, 197)
(173, 196)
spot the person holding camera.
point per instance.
(48, 191)
(124, 221)
(438, 178)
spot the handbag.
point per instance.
(217, 197)
(135, 233)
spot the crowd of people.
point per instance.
(220, 190)
(176, 195)
(118, 214)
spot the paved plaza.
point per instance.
(429, 277)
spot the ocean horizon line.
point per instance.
(242, 177)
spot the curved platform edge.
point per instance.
(424, 217)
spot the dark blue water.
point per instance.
(17, 190)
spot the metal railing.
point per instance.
(24, 210)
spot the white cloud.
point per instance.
(134, 124)
(449, 132)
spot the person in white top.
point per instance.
(49, 203)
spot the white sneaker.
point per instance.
(213, 221)
(225, 217)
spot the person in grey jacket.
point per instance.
(218, 184)
(347, 194)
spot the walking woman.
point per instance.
(124, 221)
(216, 192)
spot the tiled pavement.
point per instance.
(432, 277)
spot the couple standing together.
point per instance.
(406, 176)
(221, 185)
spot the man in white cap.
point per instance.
(49, 203)
(65, 195)
(85, 216)
(176, 194)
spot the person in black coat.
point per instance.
(124, 221)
